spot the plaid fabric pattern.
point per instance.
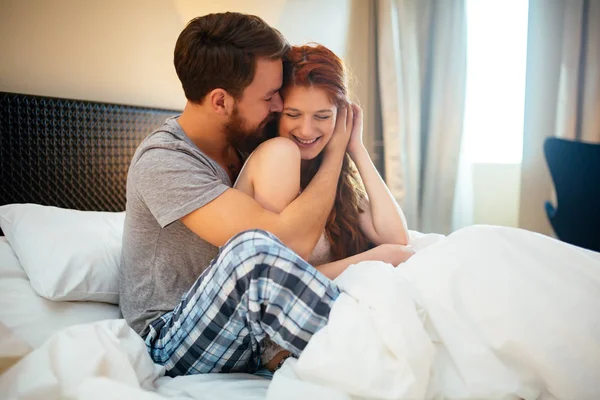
(255, 287)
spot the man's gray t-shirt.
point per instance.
(168, 178)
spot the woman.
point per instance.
(363, 224)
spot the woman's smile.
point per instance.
(305, 143)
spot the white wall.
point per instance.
(113, 51)
(300, 21)
(496, 191)
(122, 51)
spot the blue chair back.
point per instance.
(575, 170)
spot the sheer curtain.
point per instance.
(562, 93)
(421, 56)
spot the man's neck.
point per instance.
(204, 130)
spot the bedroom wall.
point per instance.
(94, 50)
(121, 51)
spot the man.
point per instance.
(198, 315)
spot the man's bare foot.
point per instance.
(271, 365)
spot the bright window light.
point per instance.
(495, 92)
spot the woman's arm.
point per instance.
(389, 253)
(382, 220)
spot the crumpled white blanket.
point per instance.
(79, 359)
(108, 360)
(485, 313)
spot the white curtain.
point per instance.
(562, 93)
(421, 56)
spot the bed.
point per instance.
(74, 155)
(485, 312)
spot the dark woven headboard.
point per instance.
(69, 153)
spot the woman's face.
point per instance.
(308, 118)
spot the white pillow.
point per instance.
(68, 255)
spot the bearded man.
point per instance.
(206, 272)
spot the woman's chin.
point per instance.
(309, 155)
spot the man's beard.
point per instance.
(240, 137)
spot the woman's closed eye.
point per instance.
(318, 117)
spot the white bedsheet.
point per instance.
(485, 313)
(34, 318)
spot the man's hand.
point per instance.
(341, 133)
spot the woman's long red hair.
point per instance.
(316, 66)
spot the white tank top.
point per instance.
(322, 252)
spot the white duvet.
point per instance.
(486, 312)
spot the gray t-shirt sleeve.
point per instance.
(173, 183)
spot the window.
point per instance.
(495, 92)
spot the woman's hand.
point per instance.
(342, 130)
(355, 143)
(394, 254)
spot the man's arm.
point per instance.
(300, 224)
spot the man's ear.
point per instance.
(221, 101)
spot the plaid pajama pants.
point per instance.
(256, 286)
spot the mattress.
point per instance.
(33, 318)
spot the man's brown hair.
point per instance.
(220, 51)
